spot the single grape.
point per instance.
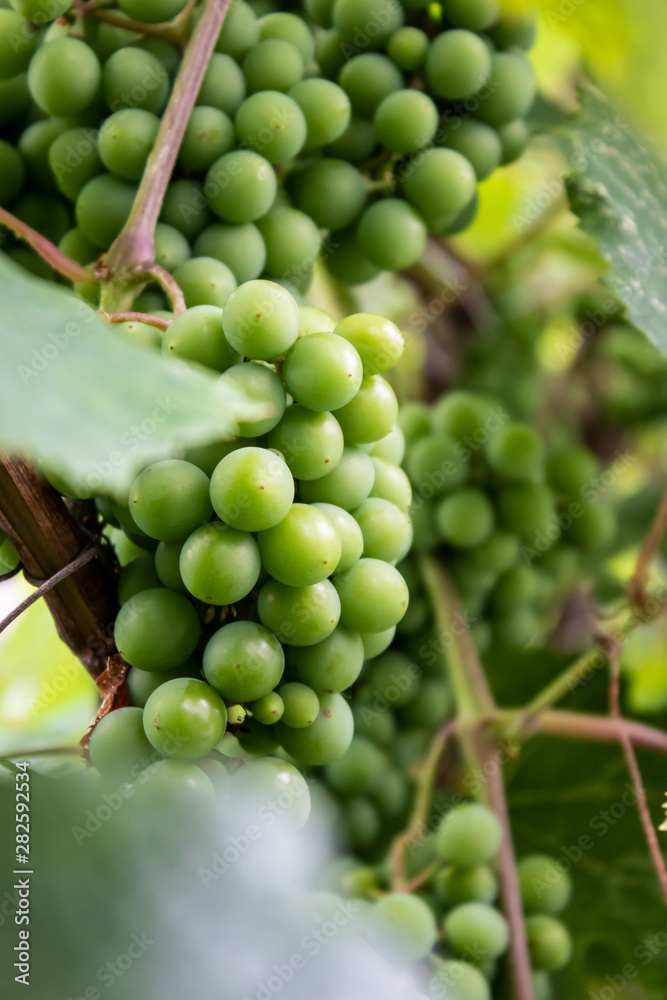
(515, 587)
(469, 834)
(171, 247)
(366, 23)
(390, 448)
(310, 442)
(326, 739)
(498, 553)
(357, 142)
(254, 739)
(261, 320)
(197, 335)
(387, 531)
(273, 64)
(302, 549)
(209, 134)
(391, 483)
(207, 457)
(438, 183)
(465, 518)
(461, 414)
(34, 144)
(569, 469)
(376, 642)
(290, 28)
(240, 247)
(220, 565)
(348, 532)
(473, 884)
(314, 320)
(367, 79)
(118, 745)
(457, 64)
(371, 414)
(133, 78)
(18, 41)
(185, 207)
(475, 15)
(272, 124)
(332, 192)
(373, 596)
(516, 451)
(102, 208)
(346, 261)
(479, 143)
(204, 282)
(392, 234)
(511, 89)
(241, 186)
(260, 385)
(594, 526)
(359, 770)
(140, 684)
(549, 942)
(326, 108)
(436, 465)
(527, 510)
(268, 709)
(378, 341)
(299, 616)
(252, 489)
(301, 705)
(545, 888)
(223, 86)
(478, 930)
(12, 171)
(406, 121)
(14, 98)
(169, 499)
(330, 666)
(322, 371)
(292, 243)
(329, 54)
(157, 630)
(139, 333)
(184, 718)
(63, 77)
(167, 566)
(152, 11)
(276, 789)
(243, 661)
(407, 47)
(320, 11)
(139, 574)
(346, 486)
(460, 981)
(125, 141)
(166, 53)
(514, 138)
(515, 29)
(240, 30)
(402, 927)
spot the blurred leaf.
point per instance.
(618, 190)
(96, 407)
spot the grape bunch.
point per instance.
(347, 134)
(265, 571)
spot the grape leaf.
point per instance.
(618, 189)
(96, 407)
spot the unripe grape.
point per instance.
(272, 64)
(469, 834)
(261, 320)
(407, 47)
(311, 442)
(261, 386)
(185, 207)
(184, 719)
(367, 79)
(376, 642)
(63, 77)
(347, 486)
(241, 186)
(476, 15)
(18, 40)
(204, 282)
(197, 335)
(330, 666)
(477, 929)
(359, 770)
(157, 630)
(292, 243)
(240, 247)
(326, 109)
(209, 134)
(392, 234)
(373, 596)
(516, 451)
(545, 888)
(356, 143)
(220, 565)
(240, 30)
(223, 86)
(301, 705)
(119, 747)
(332, 192)
(371, 414)
(346, 260)
(268, 709)
(272, 124)
(549, 942)
(326, 739)
(12, 171)
(243, 661)
(152, 11)
(479, 143)
(169, 499)
(139, 574)
(268, 779)
(461, 981)
(439, 183)
(371, 20)
(512, 89)
(252, 489)
(386, 530)
(406, 121)
(475, 883)
(167, 565)
(133, 78)
(102, 208)
(402, 926)
(322, 371)
(299, 616)
(514, 138)
(302, 549)
(348, 531)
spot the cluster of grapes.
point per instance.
(375, 130)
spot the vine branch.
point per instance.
(47, 250)
(44, 588)
(646, 555)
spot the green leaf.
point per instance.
(93, 406)
(618, 189)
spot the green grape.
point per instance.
(272, 65)
(313, 320)
(475, 15)
(371, 414)
(178, 788)
(407, 47)
(329, 53)
(376, 642)
(301, 705)
(346, 260)
(514, 138)
(594, 528)
(392, 234)
(347, 486)
(515, 629)
(378, 724)
(133, 78)
(569, 469)
(402, 927)
(469, 834)
(278, 788)
(157, 630)
(320, 11)
(515, 451)
(254, 739)
(125, 140)
(465, 518)
(197, 335)
(102, 208)
(406, 121)
(122, 516)
(302, 549)
(240, 30)
(241, 248)
(167, 559)
(299, 616)
(152, 11)
(185, 207)
(330, 666)
(268, 709)
(220, 565)
(362, 823)
(331, 192)
(438, 183)
(292, 243)
(12, 171)
(373, 596)
(461, 981)
(184, 718)
(322, 371)
(206, 457)
(252, 489)
(241, 186)
(206, 282)
(289, 28)
(498, 553)
(477, 929)
(549, 942)
(511, 89)
(394, 679)
(75, 245)
(326, 109)
(515, 587)
(392, 795)
(243, 661)
(414, 420)
(545, 888)
(272, 124)
(431, 705)
(392, 484)
(390, 448)
(349, 534)
(387, 531)
(515, 29)
(208, 135)
(527, 510)
(171, 247)
(479, 143)
(63, 77)
(260, 385)
(18, 41)
(457, 64)
(326, 739)
(169, 499)
(118, 745)
(222, 88)
(356, 143)
(168, 55)
(367, 79)
(311, 443)
(33, 145)
(261, 320)
(140, 684)
(14, 98)
(139, 574)
(366, 23)
(462, 415)
(358, 771)
(473, 884)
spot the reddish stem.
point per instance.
(47, 250)
(599, 728)
(136, 317)
(647, 553)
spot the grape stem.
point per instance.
(132, 253)
(47, 250)
(171, 31)
(597, 728)
(637, 589)
(44, 588)
(136, 317)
